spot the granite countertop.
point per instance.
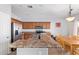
(44, 42)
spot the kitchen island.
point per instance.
(45, 41)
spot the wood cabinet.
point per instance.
(13, 20)
(31, 25)
(17, 23)
(27, 35)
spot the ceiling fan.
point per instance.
(70, 18)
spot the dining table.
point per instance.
(70, 44)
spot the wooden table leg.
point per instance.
(72, 49)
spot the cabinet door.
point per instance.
(5, 33)
(32, 51)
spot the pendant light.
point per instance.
(70, 18)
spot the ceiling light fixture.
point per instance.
(29, 6)
(70, 18)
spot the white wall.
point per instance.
(14, 16)
(37, 20)
(31, 19)
(5, 28)
(70, 27)
(75, 27)
(62, 30)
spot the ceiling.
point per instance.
(4, 7)
(43, 11)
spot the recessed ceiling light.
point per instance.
(30, 6)
(40, 5)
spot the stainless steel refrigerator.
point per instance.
(16, 31)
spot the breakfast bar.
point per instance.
(45, 41)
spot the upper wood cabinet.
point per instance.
(31, 25)
(13, 20)
(17, 23)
